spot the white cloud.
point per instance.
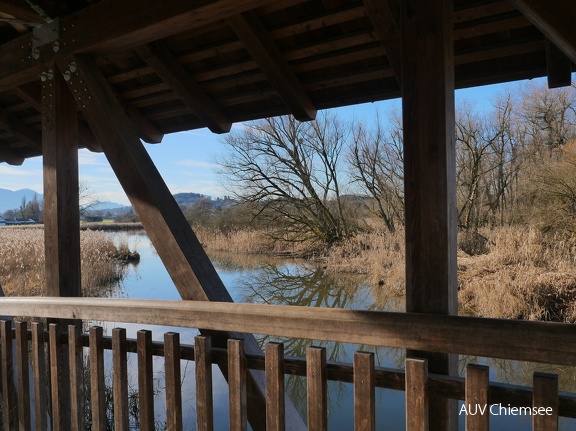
(196, 164)
(9, 170)
(86, 157)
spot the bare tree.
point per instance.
(292, 171)
(376, 158)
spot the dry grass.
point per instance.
(524, 275)
(247, 241)
(22, 267)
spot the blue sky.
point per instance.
(186, 160)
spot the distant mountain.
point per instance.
(100, 206)
(10, 199)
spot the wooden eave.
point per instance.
(176, 65)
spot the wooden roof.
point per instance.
(180, 65)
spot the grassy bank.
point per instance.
(511, 272)
(22, 266)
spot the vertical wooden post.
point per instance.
(173, 381)
(275, 415)
(545, 396)
(317, 388)
(39, 367)
(23, 375)
(145, 380)
(97, 388)
(9, 401)
(237, 385)
(203, 362)
(429, 172)
(477, 388)
(417, 398)
(120, 379)
(61, 206)
(364, 392)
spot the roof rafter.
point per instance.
(262, 48)
(386, 22)
(554, 18)
(129, 23)
(559, 67)
(20, 131)
(171, 71)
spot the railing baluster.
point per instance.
(545, 396)
(9, 401)
(364, 392)
(39, 367)
(23, 375)
(275, 412)
(120, 379)
(416, 395)
(477, 398)
(317, 388)
(75, 359)
(173, 382)
(58, 416)
(145, 380)
(97, 388)
(237, 385)
(204, 403)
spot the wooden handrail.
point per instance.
(553, 343)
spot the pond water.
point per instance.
(261, 279)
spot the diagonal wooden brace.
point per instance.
(186, 261)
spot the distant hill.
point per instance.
(10, 199)
(189, 198)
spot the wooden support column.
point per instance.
(182, 254)
(430, 169)
(61, 206)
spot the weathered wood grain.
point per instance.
(317, 388)
(173, 381)
(364, 392)
(545, 396)
(204, 403)
(145, 380)
(274, 362)
(76, 362)
(417, 397)
(97, 387)
(39, 372)
(120, 379)
(477, 388)
(237, 385)
(23, 376)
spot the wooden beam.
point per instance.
(30, 94)
(171, 71)
(14, 126)
(559, 66)
(20, 10)
(264, 51)
(61, 201)
(109, 26)
(429, 174)
(386, 22)
(554, 18)
(10, 157)
(186, 261)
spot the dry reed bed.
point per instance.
(514, 272)
(22, 263)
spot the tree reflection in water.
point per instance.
(310, 285)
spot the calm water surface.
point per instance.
(268, 280)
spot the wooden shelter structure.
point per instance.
(106, 75)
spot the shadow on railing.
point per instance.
(62, 398)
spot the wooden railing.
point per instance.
(530, 341)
